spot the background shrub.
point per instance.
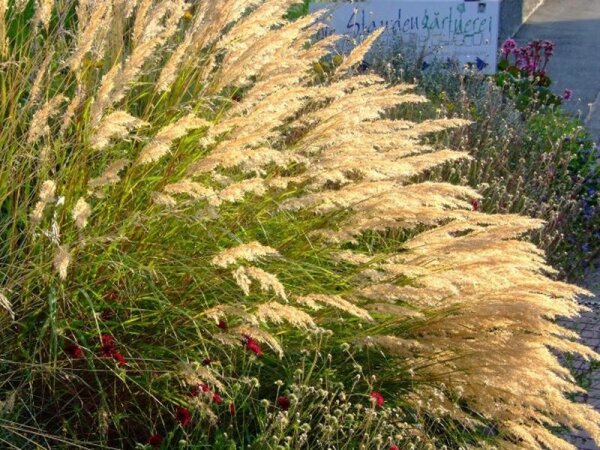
(532, 159)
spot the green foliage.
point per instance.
(299, 10)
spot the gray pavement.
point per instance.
(574, 25)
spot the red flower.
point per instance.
(222, 325)
(217, 398)
(253, 346)
(121, 361)
(183, 415)
(475, 204)
(108, 344)
(231, 409)
(107, 314)
(74, 351)
(378, 398)
(155, 440)
(394, 447)
(194, 391)
(283, 402)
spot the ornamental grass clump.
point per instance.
(206, 242)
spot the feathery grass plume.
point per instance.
(267, 281)
(6, 305)
(74, 104)
(162, 142)
(192, 189)
(20, 5)
(62, 260)
(261, 336)
(277, 313)
(47, 195)
(39, 122)
(102, 100)
(3, 36)
(81, 213)
(116, 125)
(163, 199)
(36, 87)
(194, 374)
(235, 192)
(334, 301)
(43, 12)
(110, 174)
(446, 312)
(158, 26)
(93, 23)
(141, 20)
(252, 251)
(357, 55)
(240, 68)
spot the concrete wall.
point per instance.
(513, 13)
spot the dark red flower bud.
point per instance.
(231, 409)
(217, 398)
(222, 325)
(183, 415)
(107, 341)
(107, 314)
(111, 296)
(74, 351)
(195, 391)
(155, 440)
(379, 401)
(121, 361)
(206, 361)
(283, 402)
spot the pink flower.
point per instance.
(74, 351)
(183, 415)
(548, 47)
(379, 401)
(567, 95)
(508, 47)
(283, 402)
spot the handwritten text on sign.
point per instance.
(465, 31)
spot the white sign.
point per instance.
(462, 30)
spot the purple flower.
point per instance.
(567, 95)
(523, 59)
(508, 47)
(536, 45)
(548, 47)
